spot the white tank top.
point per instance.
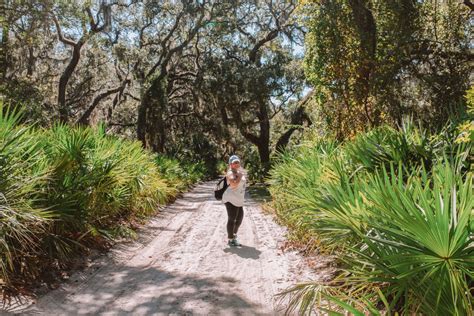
(235, 196)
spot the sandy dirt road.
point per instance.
(181, 265)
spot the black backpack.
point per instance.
(220, 188)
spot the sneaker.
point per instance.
(236, 243)
(231, 243)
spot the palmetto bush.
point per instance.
(96, 177)
(415, 242)
(65, 189)
(398, 219)
(180, 174)
(410, 145)
(22, 223)
(293, 181)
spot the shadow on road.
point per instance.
(149, 291)
(244, 252)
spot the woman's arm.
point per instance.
(233, 179)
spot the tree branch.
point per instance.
(64, 40)
(84, 119)
(298, 117)
(253, 53)
(94, 26)
(132, 96)
(163, 45)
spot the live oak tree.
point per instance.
(374, 61)
(21, 42)
(58, 49)
(161, 32)
(248, 71)
(181, 97)
(75, 45)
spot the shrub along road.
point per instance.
(181, 264)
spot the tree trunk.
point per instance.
(76, 55)
(31, 61)
(264, 155)
(151, 128)
(63, 81)
(298, 117)
(284, 140)
(264, 137)
(367, 30)
(262, 140)
(141, 121)
(4, 65)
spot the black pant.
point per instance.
(235, 215)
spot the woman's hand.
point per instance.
(233, 178)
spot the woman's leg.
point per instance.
(232, 212)
(238, 219)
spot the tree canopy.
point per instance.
(207, 78)
(376, 61)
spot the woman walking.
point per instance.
(233, 199)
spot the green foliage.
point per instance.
(292, 182)
(412, 235)
(221, 167)
(92, 172)
(412, 60)
(64, 189)
(395, 206)
(408, 145)
(22, 175)
(180, 174)
(196, 150)
(256, 172)
(22, 91)
(466, 128)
